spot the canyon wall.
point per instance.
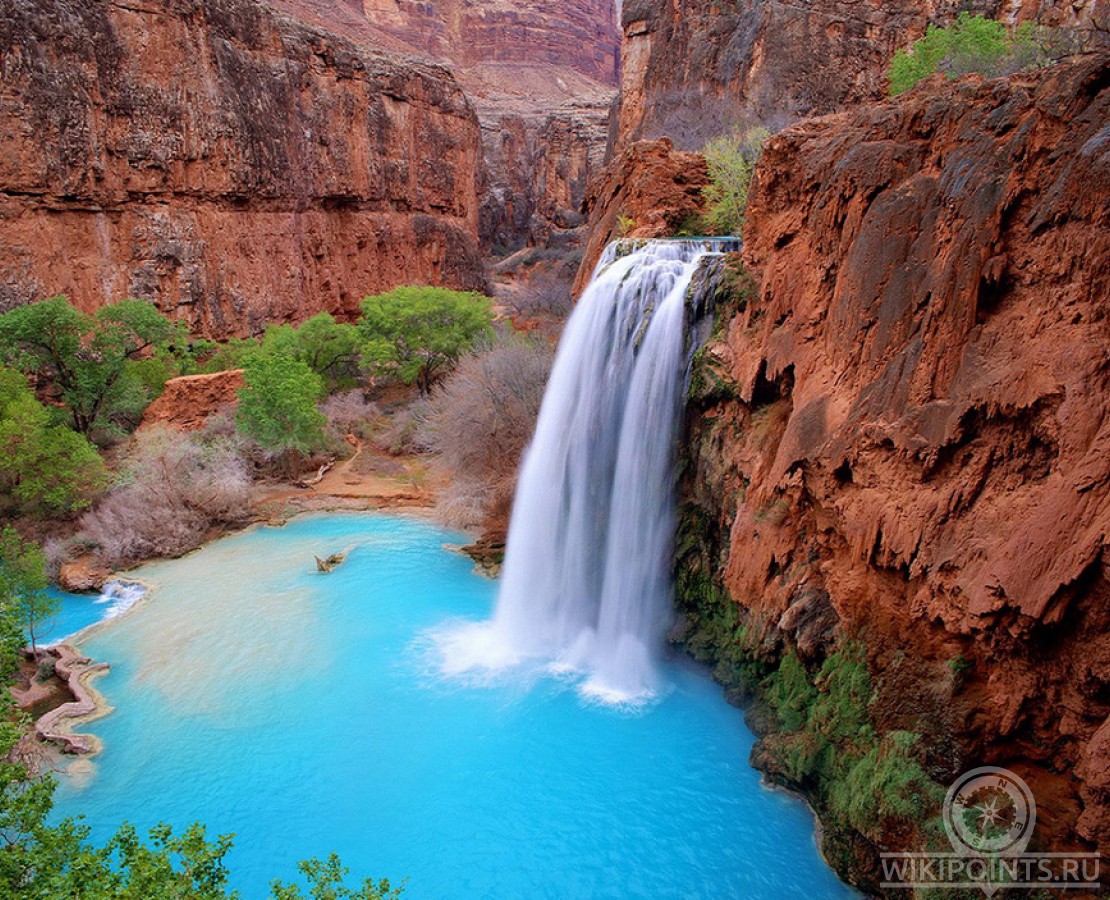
(229, 164)
(693, 69)
(575, 34)
(900, 439)
(543, 78)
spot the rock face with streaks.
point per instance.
(574, 34)
(693, 69)
(902, 433)
(543, 78)
(229, 164)
(648, 190)
(187, 403)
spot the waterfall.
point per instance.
(586, 583)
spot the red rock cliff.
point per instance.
(542, 76)
(911, 425)
(228, 163)
(577, 34)
(695, 68)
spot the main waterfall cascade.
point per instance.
(586, 583)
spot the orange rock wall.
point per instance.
(693, 69)
(230, 165)
(918, 424)
(578, 34)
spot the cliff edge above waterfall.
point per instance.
(899, 452)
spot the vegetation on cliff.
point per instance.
(977, 44)
(730, 162)
(810, 700)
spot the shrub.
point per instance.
(731, 162)
(415, 333)
(43, 467)
(403, 431)
(278, 404)
(481, 419)
(546, 294)
(349, 413)
(174, 488)
(975, 44)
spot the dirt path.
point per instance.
(370, 479)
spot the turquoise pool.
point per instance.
(307, 714)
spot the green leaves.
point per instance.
(329, 348)
(43, 467)
(23, 597)
(731, 162)
(86, 357)
(970, 44)
(278, 405)
(414, 333)
(326, 882)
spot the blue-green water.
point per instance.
(305, 713)
(78, 611)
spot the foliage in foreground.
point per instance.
(43, 861)
(731, 161)
(44, 467)
(415, 333)
(975, 44)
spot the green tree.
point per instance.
(329, 348)
(325, 879)
(416, 333)
(278, 404)
(43, 467)
(23, 583)
(40, 860)
(730, 161)
(88, 358)
(970, 44)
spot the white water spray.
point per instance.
(586, 583)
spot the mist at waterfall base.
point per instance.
(586, 585)
(306, 713)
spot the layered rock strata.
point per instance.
(229, 164)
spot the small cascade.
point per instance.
(120, 596)
(586, 583)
